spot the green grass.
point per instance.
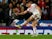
(25, 37)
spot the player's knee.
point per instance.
(34, 25)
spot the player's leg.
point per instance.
(27, 21)
(14, 22)
(34, 24)
(36, 17)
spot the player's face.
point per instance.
(28, 4)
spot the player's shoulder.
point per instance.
(33, 4)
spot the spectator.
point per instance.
(24, 4)
(42, 4)
(9, 12)
(1, 14)
(48, 7)
(18, 7)
(19, 1)
(14, 2)
(4, 6)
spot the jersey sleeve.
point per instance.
(33, 5)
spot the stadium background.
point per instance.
(8, 8)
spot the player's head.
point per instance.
(28, 4)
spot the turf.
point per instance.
(25, 37)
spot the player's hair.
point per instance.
(29, 2)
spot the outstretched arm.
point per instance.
(22, 13)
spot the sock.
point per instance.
(23, 23)
(34, 30)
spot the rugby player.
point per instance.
(34, 18)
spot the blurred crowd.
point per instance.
(8, 8)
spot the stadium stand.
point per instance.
(8, 8)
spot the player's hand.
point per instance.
(16, 14)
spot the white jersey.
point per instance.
(33, 9)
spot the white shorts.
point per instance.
(36, 16)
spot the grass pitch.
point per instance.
(25, 37)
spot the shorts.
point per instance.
(37, 16)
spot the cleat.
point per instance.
(34, 35)
(18, 26)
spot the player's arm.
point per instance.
(22, 13)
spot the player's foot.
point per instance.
(19, 26)
(34, 35)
